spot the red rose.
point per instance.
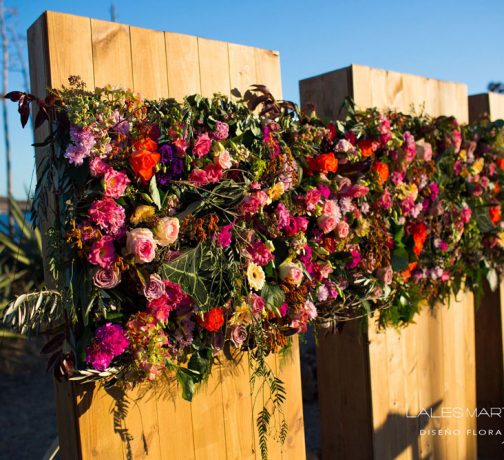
(213, 320)
(143, 163)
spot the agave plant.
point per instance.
(21, 263)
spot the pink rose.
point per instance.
(238, 335)
(223, 159)
(327, 223)
(103, 252)
(106, 278)
(98, 167)
(202, 145)
(166, 231)
(198, 177)
(342, 229)
(155, 288)
(141, 244)
(115, 183)
(291, 273)
(213, 173)
(424, 151)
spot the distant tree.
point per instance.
(496, 87)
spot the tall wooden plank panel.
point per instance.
(182, 61)
(489, 317)
(111, 54)
(429, 365)
(148, 55)
(157, 423)
(214, 67)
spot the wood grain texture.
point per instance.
(183, 65)
(267, 65)
(111, 54)
(148, 55)
(214, 67)
(429, 364)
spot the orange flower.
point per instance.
(419, 237)
(383, 171)
(145, 144)
(327, 162)
(496, 188)
(143, 163)
(495, 214)
(406, 274)
(366, 147)
(500, 163)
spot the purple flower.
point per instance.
(221, 130)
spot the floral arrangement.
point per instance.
(183, 230)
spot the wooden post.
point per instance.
(220, 423)
(489, 318)
(369, 384)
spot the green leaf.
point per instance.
(200, 364)
(483, 220)
(154, 192)
(186, 381)
(400, 259)
(273, 296)
(185, 270)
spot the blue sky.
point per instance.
(451, 40)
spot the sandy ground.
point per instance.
(27, 410)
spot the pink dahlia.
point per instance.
(103, 252)
(108, 215)
(115, 183)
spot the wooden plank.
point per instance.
(496, 102)
(214, 67)
(242, 67)
(67, 421)
(344, 393)
(237, 400)
(208, 419)
(111, 54)
(183, 65)
(379, 375)
(150, 76)
(175, 423)
(289, 371)
(70, 49)
(99, 435)
(326, 93)
(267, 65)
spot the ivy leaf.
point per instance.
(400, 259)
(273, 296)
(154, 192)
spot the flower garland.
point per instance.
(187, 229)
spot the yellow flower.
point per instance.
(500, 239)
(477, 166)
(276, 191)
(142, 213)
(463, 155)
(255, 276)
(241, 315)
(407, 190)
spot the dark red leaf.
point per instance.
(14, 96)
(53, 344)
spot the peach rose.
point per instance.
(141, 244)
(291, 273)
(166, 231)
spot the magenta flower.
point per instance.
(115, 183)
(221, 130)
(110, 341)
(109, 216)
(103, 252)
(356, 258)
(261, 255)
(224, 237)
(202, 145)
